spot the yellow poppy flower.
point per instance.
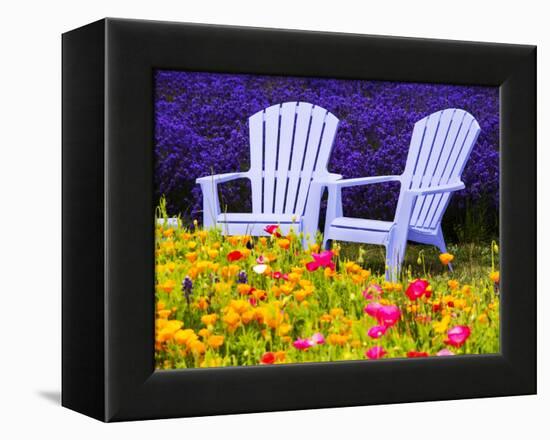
(446, 258)
(453, 284)
(215, 341)
(209, 319)
(441, 326)
(232, 320)
(287, 288)
(204, 332)
(483, 318)
(202, 303)
(337, 339)
(213, 253)
(284, 243)
(314, 248)
(167, 286)
(243, 289)
(197, 347)
(164, 313)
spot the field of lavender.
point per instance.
(201, 128)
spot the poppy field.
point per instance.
(242, 300)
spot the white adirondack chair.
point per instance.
(290, 145)
(440, 146)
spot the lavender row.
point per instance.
(201, 127)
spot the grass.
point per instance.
(471, 259)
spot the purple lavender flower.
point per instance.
(187, 288)
(242, 277)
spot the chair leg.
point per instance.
(394, 262)
(389, 257)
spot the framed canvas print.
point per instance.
(261, 219)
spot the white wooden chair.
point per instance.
(440, 147)
(290, 146)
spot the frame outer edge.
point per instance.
(83, 341)
(134, 389)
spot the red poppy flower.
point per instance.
(234, 256)
(268, 358)
(272, 230)
(417, 354)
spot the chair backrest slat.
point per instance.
(441, 144)
(312, 150)
(452, 173)
(290, 144)
(270, 155)
(303, 118)
(452, 124)
(288, 120)
(256, 130)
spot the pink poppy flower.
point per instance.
(261, 260)
(303, 344)
(416, 289)
(277, 275)
(457, 335)
(388, 315)
(377, 331)
(372, 309)
(323, 259)
(445, 352)
(370, 291)
(318, 339)
(375, 352)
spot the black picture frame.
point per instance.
(108, 233)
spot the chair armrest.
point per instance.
(333, 176)
(438, 189)
(210, 199)
(363, 181)
(326, 180)
(221, 178)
